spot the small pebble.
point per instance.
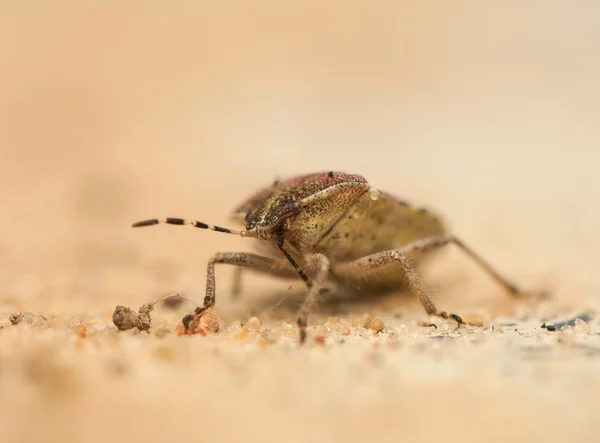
(344, 322)
(234, 328)
(144, 319)
(580, 325)
(73, 321)
(80, 330)
(28, 317)
(242, 334)
(331, 326)
(210, 323)
(124, 318)
(15, 319)
(205, 324)
(291, 333)
(474, 319)
(23, 317)
(346, 331)
(321, 330)
(374, 323)
(320, 340)
(253, 323)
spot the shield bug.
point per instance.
(333, 226)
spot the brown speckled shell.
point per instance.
(270, 204)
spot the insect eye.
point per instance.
(296, 208)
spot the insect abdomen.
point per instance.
(378, 222)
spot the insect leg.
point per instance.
(442, 240)
(293, 262)
(321, 263)
(510, 288)
(376, 262)
(245, 260)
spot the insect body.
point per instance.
(334, 226)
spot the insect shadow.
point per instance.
(336, 300)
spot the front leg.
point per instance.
(272, 266)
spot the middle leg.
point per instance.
(376, 262)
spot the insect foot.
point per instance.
(459, 321)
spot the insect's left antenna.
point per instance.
(194, 223)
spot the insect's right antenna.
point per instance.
(194, 223)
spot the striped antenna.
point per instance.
(194, 223)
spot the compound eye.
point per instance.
(296, 208)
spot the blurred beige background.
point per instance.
(111, 112)
(115, 112)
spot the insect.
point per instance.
(333, 226)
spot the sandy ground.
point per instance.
(111, 114)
